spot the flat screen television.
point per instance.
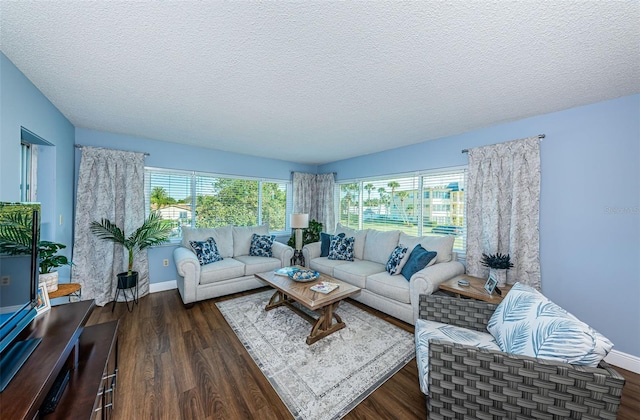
(19, 236)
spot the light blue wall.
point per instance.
(23, 105)
(177, 156)
(589, 205)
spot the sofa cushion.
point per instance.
(222, 235)
(341, 248)
(443, 245)
(393, 287)
(356, 272)
(393, 263)
(261, 245)
(325, 242)
(419, 259)
(206, 251)
(528, 323)
(426, 330)
(255, 265)
(359, 237)
(226, 269)
(325, 265)
(379, 244)
(242, 238)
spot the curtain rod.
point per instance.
(540, 136)
(79, 146)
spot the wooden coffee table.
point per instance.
(475, 290)
(289, 291)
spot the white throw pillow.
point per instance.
(528, 323)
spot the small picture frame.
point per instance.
(490, 285)
(43, 304)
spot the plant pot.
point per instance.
(500, 274)
(126, 281)
(50, 280)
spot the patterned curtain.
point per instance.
(314, 194)
(111, 186)
(503, 197)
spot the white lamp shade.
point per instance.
(299, 221)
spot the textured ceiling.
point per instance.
(315, 82)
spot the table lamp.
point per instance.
(298, 222)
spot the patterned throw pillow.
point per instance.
(261, 245)
(393, 264)
(325, 242)
(206, 251)
(426, 330)
(528, 323)
(341, 248)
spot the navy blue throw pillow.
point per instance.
(418, 260)
(325, 242)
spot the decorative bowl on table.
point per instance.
(304, 275)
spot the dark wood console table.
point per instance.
(66, 344)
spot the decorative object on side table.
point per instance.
(43, 304)
(498, 265)
(299, 221)
(154, 231)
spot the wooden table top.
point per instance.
(475, 289)
(65, 289)
(301, 293)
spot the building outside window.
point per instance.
(429, 203)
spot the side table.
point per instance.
(67, 289)
(298, 258)
(475, 290)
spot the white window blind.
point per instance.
(429, 203)
(209, 200)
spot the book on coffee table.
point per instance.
(324, 287)
(286, 271)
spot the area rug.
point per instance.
(327, 379)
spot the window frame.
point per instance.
(193, 176)
(419, 197)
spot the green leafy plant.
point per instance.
(499, 261)
(154, 231)
(309, 235)
(15, 239)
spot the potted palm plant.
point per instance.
(154, 231)
(15, 239)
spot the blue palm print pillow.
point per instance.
(395, 259)
(206, 251)
(341, 248)
(528, 323)
(261, 245)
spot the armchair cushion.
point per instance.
(426, 330)
(527, 323)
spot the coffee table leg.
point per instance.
(324, 325)
(278, 299)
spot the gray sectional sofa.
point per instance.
(391, 294)
(234, 273)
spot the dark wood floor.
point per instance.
(188, 363)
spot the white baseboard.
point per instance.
(161, 287)
(623, 360)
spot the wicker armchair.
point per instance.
(469, 382)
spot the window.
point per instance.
(429, 203)
(28, 169)
(209, 200)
